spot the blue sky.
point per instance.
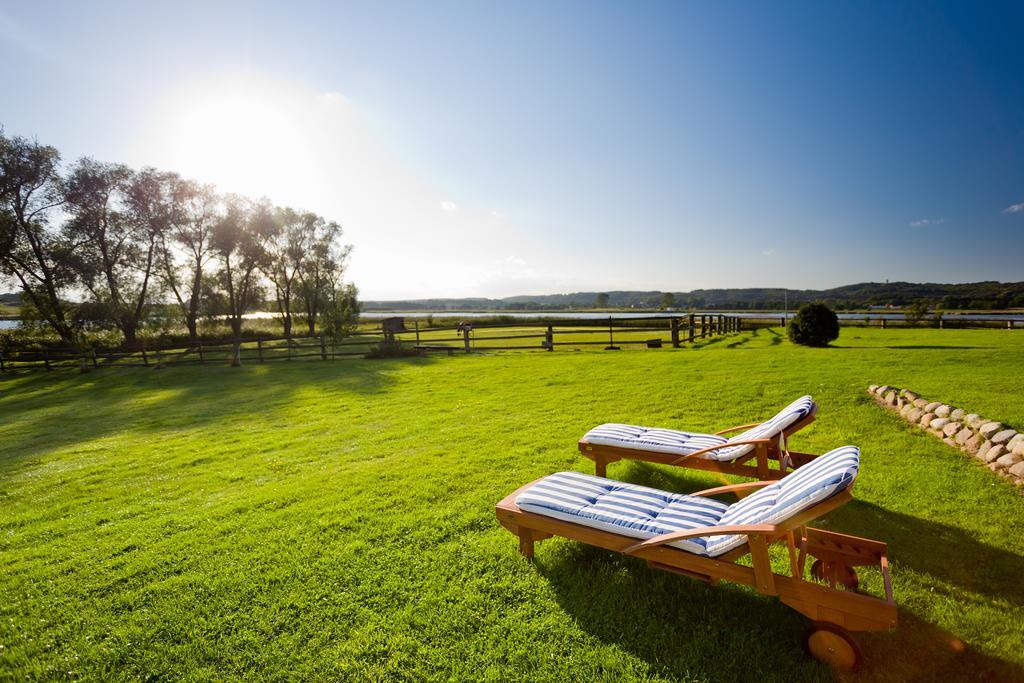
(490, 149)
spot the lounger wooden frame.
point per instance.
(766, 452)
(829, 602)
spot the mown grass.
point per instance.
(315, 520)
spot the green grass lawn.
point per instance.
(336, 520)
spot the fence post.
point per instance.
(690, 325)
(674, 324)
(1009, 326)
(883, 323)
(703, 326)
(465, 337)
(259, 350)
(236, 354)
(611, 340)
(549, 338)
(1, 362)
(46, 359)
(95, 363)
(323, 348)
(288, 345)
(417, 324)
(145, 359)
(201, 359)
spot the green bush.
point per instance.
(814, 325)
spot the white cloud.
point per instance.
(1015, 208)
(925, 222)
(449, 206)
(514, 261)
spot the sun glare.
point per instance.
(245, 137)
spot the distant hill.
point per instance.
(974, 295)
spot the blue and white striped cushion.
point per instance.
(641, 512)
(651, 439)
(795, 411)
(683, 443)
(627, 509)
(819, 479)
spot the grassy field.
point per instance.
(318, 520)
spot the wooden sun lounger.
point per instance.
(756, 464)
(829, 600)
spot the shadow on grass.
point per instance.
(912, 347)
(46, 411)
(739, 342)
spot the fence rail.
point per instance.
(548, 335)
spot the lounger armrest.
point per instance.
(738, 428)
(733, 488)
(727, 444)
(702, 531)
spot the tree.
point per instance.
(186, 249)
(123, 216)
(668, 300)
(286, 243)
(236, 241)
(341, 312)
(601, 300)
(322, 269)
(814, 325)
(32, 251)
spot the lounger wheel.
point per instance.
(834, 571)
(834, 646)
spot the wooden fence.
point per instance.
(548, 335)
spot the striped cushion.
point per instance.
(794, 412)
(641, 512)
(684, 443)
(651, 439)
(621, 508)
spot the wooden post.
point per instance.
(1, 362)
(236, 354)
(259, 350)
(883, 323)
(940, 323)
(159, 357)
(611, 339)
(95, 363)
(323, 348)
(417, 324)
(288, 345)
(703, 326)
(690, 334)
(201, 359)
(549, 338)
(1009, 324)
(674, 325)
(145, 359)
(46, 359)
(782, 321)
(465, 337)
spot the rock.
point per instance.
(872, 388)
(1008, 460)
(973, 444)
(890, 398)
(914, 415)
(911, 395)
(1012, 443)
(883, 389)
(920, 402)
(990, 428)
(939, 423)
(951, 429)
(964, 435)
(973, 420)
(983, 449)
(907, 407)
(1018, 470)
(949, 442)
(958, 414)
(930, 408)
(1003, 436)
(1019, 449)
(994, 453)
(926, 419)
(943, 410)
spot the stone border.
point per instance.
(991, 442)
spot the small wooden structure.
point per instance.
(828, 598)
(765, 452)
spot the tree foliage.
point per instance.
(134, 242)
(814, 325)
